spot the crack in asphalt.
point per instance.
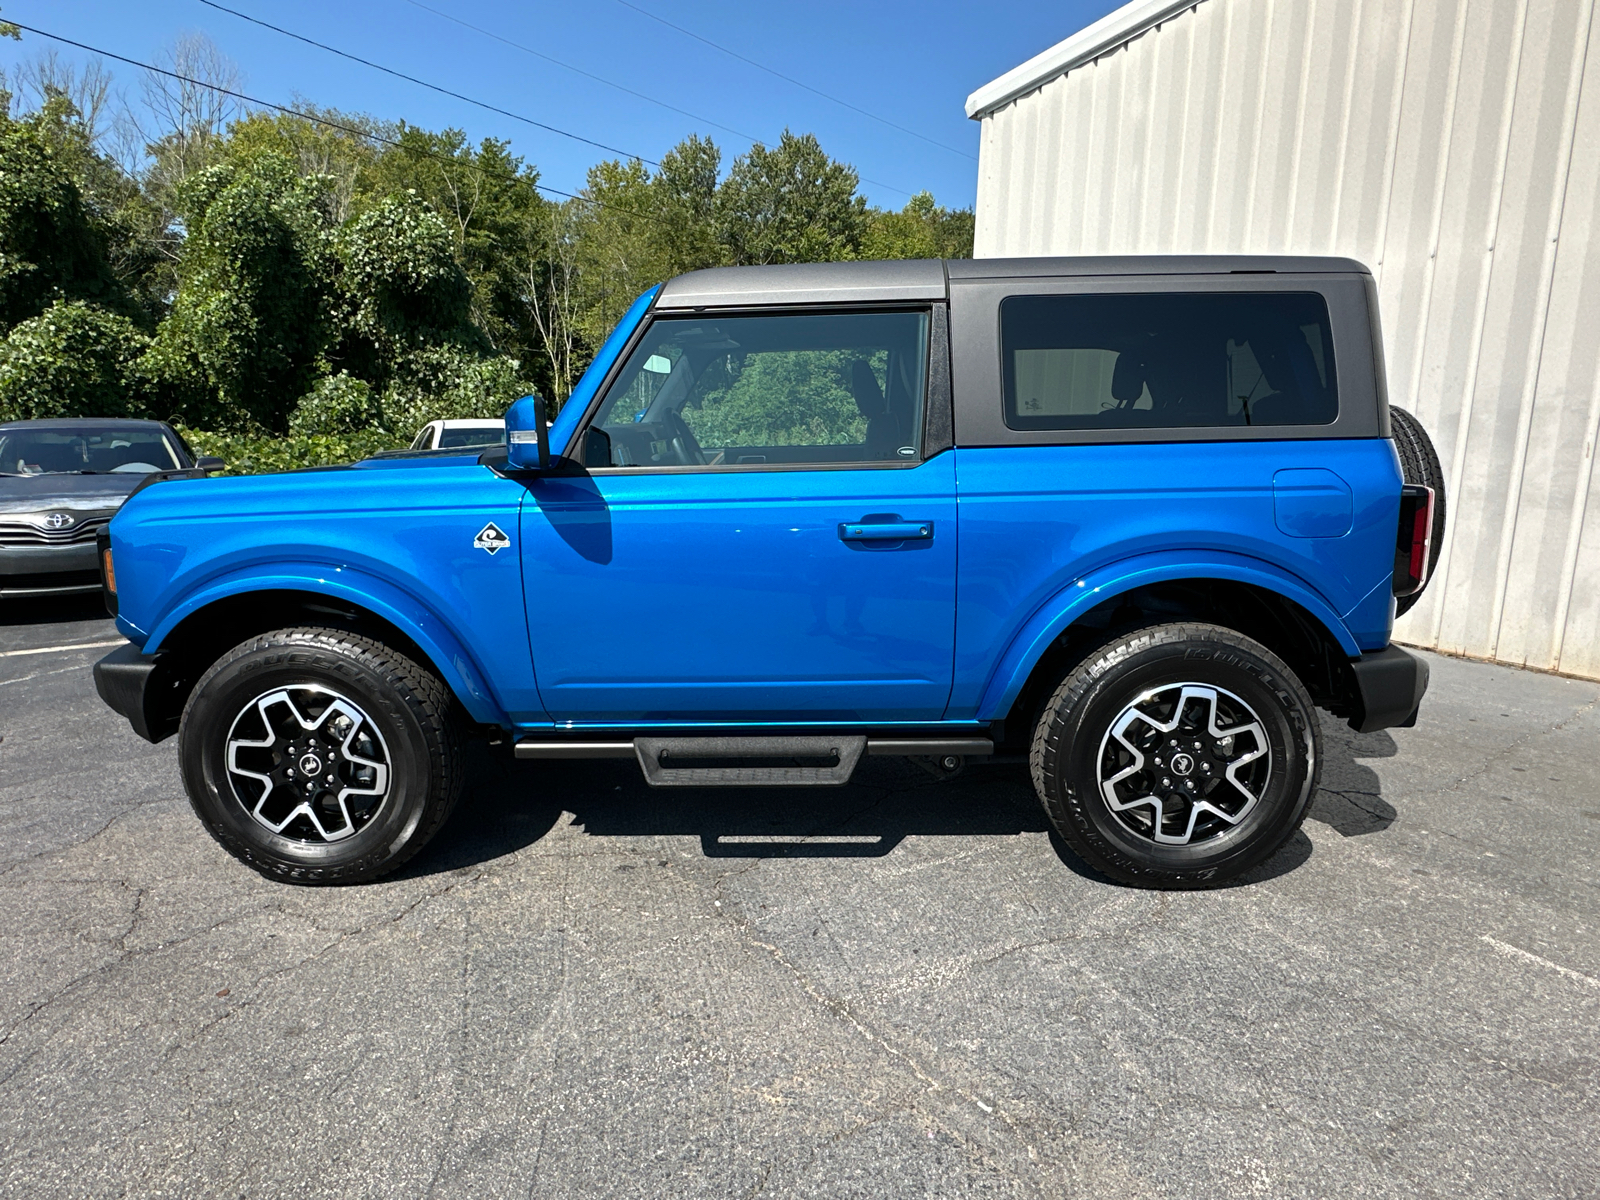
(125, 956)
(235, 1009)
(1515, 744)
(842, 1011)
(126, 811)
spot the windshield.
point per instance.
(489, 435)
(85, 452)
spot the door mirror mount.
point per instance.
(527, 435)
(596, 448)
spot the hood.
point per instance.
(74, 493)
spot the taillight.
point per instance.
(1414, 541)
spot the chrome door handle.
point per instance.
(889, 531)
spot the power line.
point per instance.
(488, 33)
(366, 134)
(790, 79)
(600, 79)
(443, 91)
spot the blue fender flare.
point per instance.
(446, 652)
(1052, 617)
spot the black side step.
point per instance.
(714, 761)
(818, 760)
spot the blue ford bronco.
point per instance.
(1131, 520)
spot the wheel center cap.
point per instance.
(1182, 764)
(310, 764)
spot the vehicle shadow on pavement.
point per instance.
(509, 805)
(53, 610)
(1350, 800)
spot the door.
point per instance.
(756, 537)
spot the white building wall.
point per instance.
(1451, 145)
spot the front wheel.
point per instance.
(320, 756)
(1178, 756)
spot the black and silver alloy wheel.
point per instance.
(307, 762)
(1184, 763)
(1177, 756)
(320, 755)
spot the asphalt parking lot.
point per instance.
(899, 988)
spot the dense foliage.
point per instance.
(295, 289)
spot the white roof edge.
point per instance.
(1088, 43)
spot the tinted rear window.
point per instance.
(454, 439)
(1172, 360)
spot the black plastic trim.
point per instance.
(132, 684)
(1391, 684)
(102, 547)
(938, 413)
(156, 477)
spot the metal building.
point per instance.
(1451, 145)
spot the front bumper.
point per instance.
(135, 685)
(48, 570)
(1390, 683)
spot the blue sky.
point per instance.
(911, 63)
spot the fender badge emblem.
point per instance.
(491, 539)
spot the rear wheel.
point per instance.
(319, 756)
(1178, 756)
(1419, 464)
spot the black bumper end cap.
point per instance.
(1391, 683)
(129, 682)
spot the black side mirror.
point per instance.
(210, 462)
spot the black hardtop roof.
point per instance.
(928, 278)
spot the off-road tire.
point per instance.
(407, 703)
(1074, 729)
(1419, 464)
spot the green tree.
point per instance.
(780, 398)
(922, 229)
(685, 206)
(487, 200)
(72, 360)
(621, 249)
(339, 148)
(407, 308)
(50, 246)
(247, 333)
(133, 236)
(402, 290)
(337, 404)
(791, 203)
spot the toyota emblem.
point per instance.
(58, 520)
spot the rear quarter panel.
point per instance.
(1034, 520)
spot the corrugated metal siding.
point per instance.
(1453, 146)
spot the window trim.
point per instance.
(977, 349)
(1009, 405)
(934, 380)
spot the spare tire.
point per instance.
(1419, 464)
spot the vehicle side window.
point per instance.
(1169, 360)
(791, 389)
